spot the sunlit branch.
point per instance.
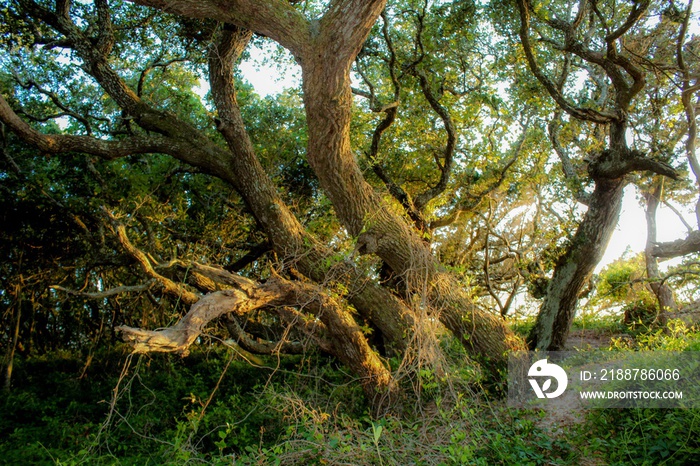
(609, 165)
(169, 287)
(56, 144)
(276, 19)
(470, 200)
(688, 90)
(487, 263)
(681, 247)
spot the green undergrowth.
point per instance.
(608, 323)
(650, 436)
(604, 324)
(216, 407)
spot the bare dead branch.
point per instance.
(107, 293)
(182, 335)
(348, 344)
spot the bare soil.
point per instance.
(561, 423)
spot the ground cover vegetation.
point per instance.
(339, 270)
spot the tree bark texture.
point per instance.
(368, 217)
(338, 333)
(325, 60)
(575, 266)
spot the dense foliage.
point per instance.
(373, 236)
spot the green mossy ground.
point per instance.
(214, 407)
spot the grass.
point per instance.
(214, 408)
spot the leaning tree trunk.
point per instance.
(625, 80)
(366, 215)
(7, 380)
(575, 267)
(609, 170)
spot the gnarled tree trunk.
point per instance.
(621, 76)
(576, 265)
(609, 170)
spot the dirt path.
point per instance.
(561, 423)
(585, 339)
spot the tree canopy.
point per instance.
(442, 164)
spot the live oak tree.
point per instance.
(325, 49)
(348, 225)
(599, 44)
(667, 126)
